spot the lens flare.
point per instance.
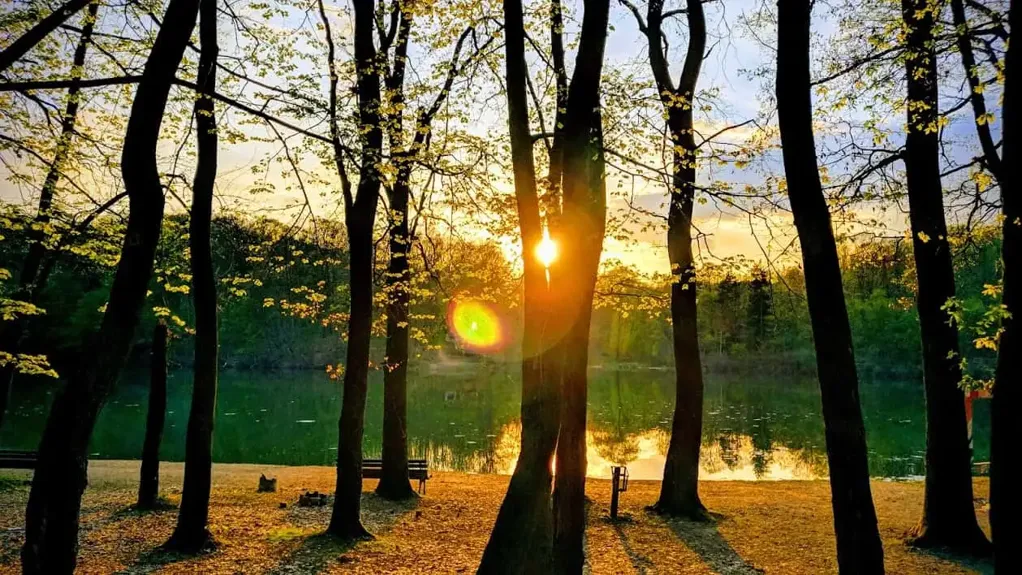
(476, 324)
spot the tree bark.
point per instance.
(192, 534)
(156, 414)
(1005, 423)
(522, 536)
(51, 519)
(583, 226)
(34, 35)
(360, 215)
(394, 483)
(30, 281)
(859, 549)
(949, 517)
(679, 492)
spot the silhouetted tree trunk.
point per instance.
(1006, 424)
(31, 281)
(156, 414)
(394, 482)
(859, 549)
(34, 35)
(522, 536)
(359, 214)
(949, 518)
(51, 519)
(583, 224)
(192, 534)
(679, 492)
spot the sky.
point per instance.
(725, 233)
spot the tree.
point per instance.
(394, 482)
(991, 161)
(31, 280)
(156, 414)
(405, 155)
(51, 519)
(34, 35)
(760, 309)
(360, 217)
(949, 518)
(859, 548)
(191, 533)
(521, 540)
(583, 221)
(1005, 426)
(679, 492)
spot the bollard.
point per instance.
(619, 484)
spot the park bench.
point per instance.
(10, 459)
(417, 469)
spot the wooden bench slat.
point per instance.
(418, 469)
(18, 459)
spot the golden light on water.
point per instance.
(477, 325)
(546, 250)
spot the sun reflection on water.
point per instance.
(644, 454)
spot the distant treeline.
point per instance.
(284, 301)
(756, 317)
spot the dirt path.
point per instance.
(762, 527)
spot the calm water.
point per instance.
(465, 417)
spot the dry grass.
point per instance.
(766, 527)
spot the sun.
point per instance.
(546, 250)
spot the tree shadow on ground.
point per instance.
(705, 540)
(156, 558)
(642, 563)
(161, 505)
(318, 552)
(981, 565)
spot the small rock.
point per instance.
(418, 514)
(283, 505)
(313, 499)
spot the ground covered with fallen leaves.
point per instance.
(761, 527)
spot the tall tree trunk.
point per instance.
(394, 482)
(51, 519)
(1006, 425)
(156, 414)
(583, 227)
(859, 549)
(30, 281)
(521, 540)
(949, 518)
(360, 215)
(679, 492)
(192, 533)
(34, 35)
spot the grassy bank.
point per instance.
(771, 527)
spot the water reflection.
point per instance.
(464, 416)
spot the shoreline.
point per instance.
(777, 526)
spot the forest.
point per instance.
(710, 243)
(749, 317)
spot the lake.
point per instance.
(464, 416)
